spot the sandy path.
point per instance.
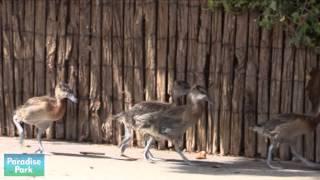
(68, 163)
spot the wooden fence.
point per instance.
(115, 53)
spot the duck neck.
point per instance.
(61, 107)
(196, 108)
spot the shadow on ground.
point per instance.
(247, 167)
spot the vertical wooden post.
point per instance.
(227, 82)
(8, 68)
(309, 141)
(128, 71)
(2, 107)
(139, 60)
(251, 91)
(318, 130)
(107, 73)
(276, 70)
(202, 63)
(40, 37)
(192, 53)
(182, 29)
(216, 77)
(263, 87)
(287, 84)
(299, 89)
(95, 71)
(162, 52)
(117, 56)
(39, 56)
(71, 125)
(51, 54)
(239, 84)
(150, 14)
(40, 32)
(18, 51)
(28, 60)
(62, 57)
(172, 44)
(84, 70)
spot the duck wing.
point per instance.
(142, 108)
(39, 100)
(162, 123)
(35, 109)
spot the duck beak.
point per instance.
(73, 98)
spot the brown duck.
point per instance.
(42, 111)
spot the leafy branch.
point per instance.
(300, 17)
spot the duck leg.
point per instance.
(19, 128)
(146, 152)
(41, 128)
(176, 147)
(269, 158)
(304, 160)
(124, 143)
(39, 135)
(151, 157)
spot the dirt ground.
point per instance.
(66, 162)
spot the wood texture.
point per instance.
(162, 51)
(227, 82)
(2, 113)
(73, 67)
(63, 55)
(201, 69)
(84, 71)
(276, 69)
(51, 53)
(8, 66)
(95, 72)
(139, 60)
(107, 73)
(192, 52)
(309, 141)
(263, 88)
(298, 89)
(251, 90)
(128, 64)
(117, 56)
(286, 90)
(215, 77)
(115, 53)
(239, 84)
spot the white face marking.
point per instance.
(72, 98)
(201, 97)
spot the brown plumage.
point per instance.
(172, 123)
(42, 111)
(180, 88)
(285, 128)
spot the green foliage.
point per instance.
(300, 17)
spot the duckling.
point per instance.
(42, 111)
(285, 128)
(172, 123)
(180, 88)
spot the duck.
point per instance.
(179, 89)
(172, 123)
(285, 128)
(41, 111)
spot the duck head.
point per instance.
(180, 88)
(63, 91)
(199, 93)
